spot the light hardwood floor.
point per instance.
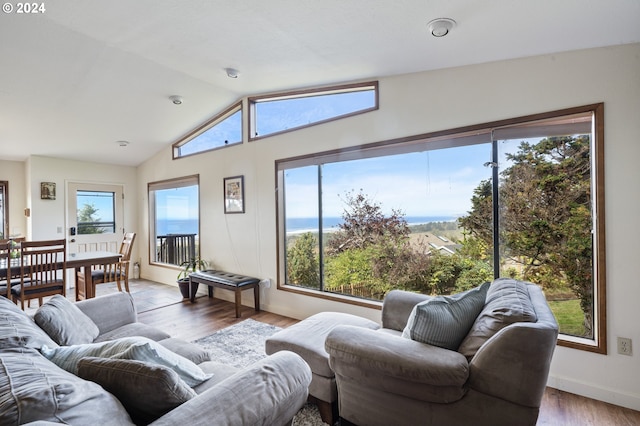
(162, 306)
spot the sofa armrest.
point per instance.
(376, 359)
(269, 392)
(397, 306)
(110, 311)
(514, 363)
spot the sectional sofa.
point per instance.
(52, 370)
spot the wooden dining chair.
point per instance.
(42, 271)
(119, 271)
(5, 267)
(9, 264)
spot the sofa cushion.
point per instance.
(147, 391)
(190, 351)
(507, 302)
(131, 330)
(18, 329)
(444, 321)
(65, 323)
(33, 389)
(136, 348)
(220, 372)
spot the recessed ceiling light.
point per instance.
(440, 27)
(232, 72)
(177, 100)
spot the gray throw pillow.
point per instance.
(33, 389)
(444, 321)
(134, 348)
(17, 329)
(508, 302)
(65, 323)
(147, 391)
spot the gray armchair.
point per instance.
(384, 378)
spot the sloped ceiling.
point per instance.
(85, 74)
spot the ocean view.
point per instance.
(304, 224)
(294, 225)
(168, 226)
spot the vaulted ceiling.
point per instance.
(86, 74)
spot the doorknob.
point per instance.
(73, 240)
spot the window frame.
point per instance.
(111, 225)
(446, 139)
(168, 184)
(4, 189)
(293, 94)
(217, 119)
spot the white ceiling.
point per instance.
(87, 73)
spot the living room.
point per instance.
(411, 103)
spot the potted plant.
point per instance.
(189, 266)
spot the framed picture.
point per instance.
(47, 190)
(234, 194)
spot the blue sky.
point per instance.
(102, 201)
(177, 204)
(432, 183)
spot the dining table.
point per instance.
(84, 261)
(80, 262)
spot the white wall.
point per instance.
(14, 173)
(48, 217)
(432, 101)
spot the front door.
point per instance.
(95, 217)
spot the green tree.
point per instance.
(364, 224)
(302, 261)
(374, 251)
(478, 223)
(87, 218)
(545, 215)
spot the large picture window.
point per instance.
(439, 214)
(174, 209)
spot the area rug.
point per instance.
(243, 344)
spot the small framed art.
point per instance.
(47, 190)
(234, 194)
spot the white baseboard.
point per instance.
(611, 396)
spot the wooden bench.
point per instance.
(227, 281)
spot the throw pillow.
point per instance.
(508, 301)
(136, 348)
(65, 323)
(17, 329)
(445, 320)
(33, 389)
(147, 391)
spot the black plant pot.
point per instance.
(184, 287)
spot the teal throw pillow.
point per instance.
(444, 321)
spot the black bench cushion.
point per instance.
(226, 278)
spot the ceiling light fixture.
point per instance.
(232, 72)
(177, 100)
(440, 27)
(123, 143)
